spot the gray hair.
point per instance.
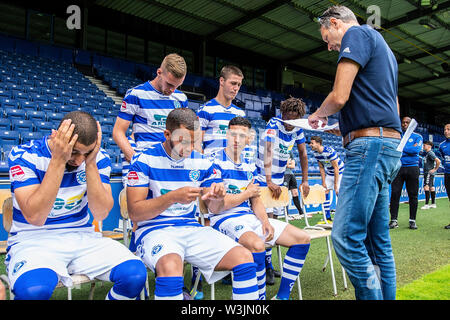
(339, 12)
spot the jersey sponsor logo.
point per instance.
(69, 204)
(194, 175)
(133, 178)
(17, 173)
(232, 189)
(271, 133)
(160, 120)
(222, 129)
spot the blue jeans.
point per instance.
(360, 232)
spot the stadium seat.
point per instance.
(20, 125)
(27, 136)
(37, 115)
(5, 124)
(9, 137)
(15, 114)
(56, 117)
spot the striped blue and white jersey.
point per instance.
(154, 169)
(282, 143)
(125, 163)
(214, 119)
(325, 158)
(249, 153)
(28, 165)
(236, 178)
(147, 109)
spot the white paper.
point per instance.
(303, 123)
(411, 127)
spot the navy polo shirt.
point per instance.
(373, 98)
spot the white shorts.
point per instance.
(67, 253)
(202, 247)
(329, 181)
(236, 227)
(276, 211)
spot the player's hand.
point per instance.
(275, 189)
(92, 157)
(268, 230)
(216, 192)
(253, 189)
(336, 190)
(432, 171)
(63, 142)
(305, 189)
(313, 121)
(186, 195)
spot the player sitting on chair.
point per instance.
(244, 217)
(54, 181)
(164, 183)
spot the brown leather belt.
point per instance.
(370, 132)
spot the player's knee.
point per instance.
(36, 284)
(130, 276)
(169, 265)
(241, 255)
(301, 237)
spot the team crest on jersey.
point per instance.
(18, 266)
(156, 249)
(124, 106)
(176, 104)
(249, 175)
(194, 175)
(81, 177)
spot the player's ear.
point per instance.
(167, 134)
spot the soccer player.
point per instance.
(431, 164)
(331, 168)
(216, 113)
(275, 144)
(54, 181)
(444, 150)
(164, 183)
(147, 105)
(244, 217)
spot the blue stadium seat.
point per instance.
(28, 106)
(15, 114)
(57, 117)
(9, 137)
(44, 126)
(5, 124)
(21, 125)
(27, 136)
(36, 115)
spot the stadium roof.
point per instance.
(286, 31)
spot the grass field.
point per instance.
(422, 261)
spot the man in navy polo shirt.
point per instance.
(409, 175)
(365, 93)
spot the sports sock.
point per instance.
(292, 265)
(259, 258)
(169, 288)
(245, 285)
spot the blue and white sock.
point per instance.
(269, 259)
(245, 285)
(259, 258)
(292, 265)
(327, 205)
(169, 288)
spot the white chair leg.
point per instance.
(345, 278)
(280, 262)
(213, 296)
(69, 293)
(331, 266)
(325, 263)
(299, 287)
